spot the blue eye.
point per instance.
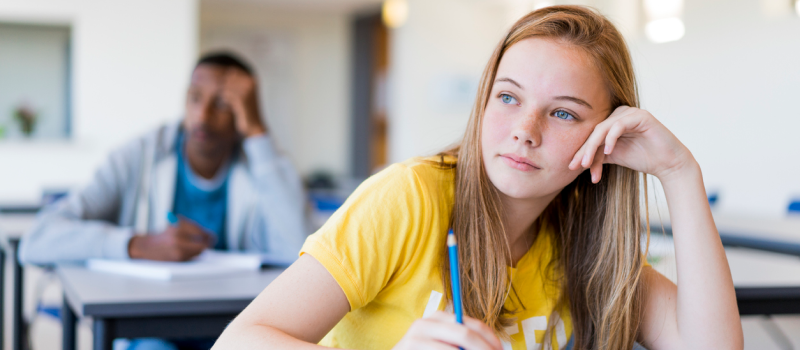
(507, 99)
(564, 115)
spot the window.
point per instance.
(34, 81)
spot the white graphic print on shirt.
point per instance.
(529, 326)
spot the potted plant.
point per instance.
(26, 117)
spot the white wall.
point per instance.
(728, 89)
(436, 61)
(131, 62)
(302, 58)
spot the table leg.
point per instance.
(2, 297)
(68, 324)
(18, 321)
(103, 334)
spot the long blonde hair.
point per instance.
(597, 227)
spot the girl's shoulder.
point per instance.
(431, 165)
(395, 221)
(426, 176)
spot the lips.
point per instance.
(202, 134)
(518, 162)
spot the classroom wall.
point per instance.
(33, 72)
(130, 67)
(302, 57)
(728, 89)
(436, 60)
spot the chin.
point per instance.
(515, 186)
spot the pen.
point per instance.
(455, 279)
(172, 218)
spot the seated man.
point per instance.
(217, 171)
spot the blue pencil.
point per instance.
(172, 218)
(455, 279)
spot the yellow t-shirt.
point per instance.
(383, 248)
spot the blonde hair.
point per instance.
(597, 227)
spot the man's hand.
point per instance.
(179, 242)
(239, 92)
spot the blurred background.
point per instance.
(348, 86)
(351, 85)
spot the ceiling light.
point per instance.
(665, 30)
(658, 9)
(395, 13)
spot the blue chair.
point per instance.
(712, 199)
(794, 207)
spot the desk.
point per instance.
(13, 224)
(129, 307)
(766, 283)
(779, 235)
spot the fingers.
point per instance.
(616, 131)
(596, 169)
(238, 81)
(428, 344)
(188, 250)
(239, 91)
(190, 231)
(483, 330)
(188, 240)
(235, 73)
(472, 335)
(606, 134)
(583, 158)
(236, 84)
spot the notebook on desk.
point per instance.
(208, 264)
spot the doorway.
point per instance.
(370, 68)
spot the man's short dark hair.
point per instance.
(224, 59)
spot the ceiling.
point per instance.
(331, 6)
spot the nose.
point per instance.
(205, 112)
(528, 130)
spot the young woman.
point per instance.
(548, 250)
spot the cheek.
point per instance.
(493, 130)
(190, 116)
(561, 149)
(568, 145)
(195, 112)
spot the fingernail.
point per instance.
(607, 150)
(585, 160)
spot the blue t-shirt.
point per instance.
(204, 201)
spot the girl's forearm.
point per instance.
(260, 337)
(707, 314)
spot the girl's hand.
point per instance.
(441, 332)
(633, 138)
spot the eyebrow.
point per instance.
(509, 80)
(574, 99)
